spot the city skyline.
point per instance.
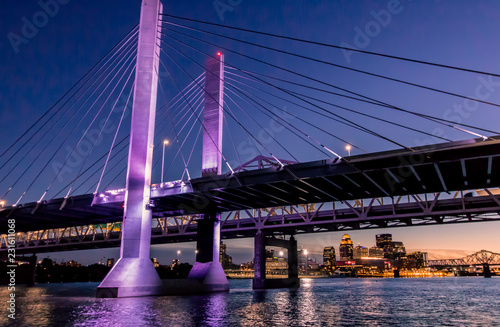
(241, 250)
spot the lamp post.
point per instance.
(305, 253)
(165, 142)
(348, 148)
(2, 204)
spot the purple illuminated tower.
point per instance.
(134, 274)
(207, 268)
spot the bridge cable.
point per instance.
(293, 127)
(336, 46)
(121, 150)
(334, 105)
(192, 149)
(363, 128)
(222, 107)
(171, 121)
(69, 91)
(339, 66)
(107, 118)
(424, 116)
(232, 112)
(74, 113)
(35, 144)
(245, 114)
(59, 148)
(97, 170)
(114, 138)
(231, 138)
(81, 138)
(101, 167)
(132, 68)
(249, 96)
(190, 107)
(434, 119)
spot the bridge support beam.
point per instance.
(260, 281)
(486, 270)
(134, 274)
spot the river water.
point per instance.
(459, 301)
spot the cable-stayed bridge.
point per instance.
(77, 154)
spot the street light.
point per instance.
(2, 204)
(348, 148)
(165, 142)
(179, 255)
(281, 253)
(305, 253)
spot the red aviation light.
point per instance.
(219, 54)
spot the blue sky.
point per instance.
(36, 72)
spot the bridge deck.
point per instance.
(465, 165)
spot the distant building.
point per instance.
(225, 260)
(155, 262)
(360, 252)
(415, 260)
(346, 248)
(329, 257)
(110, 262)
(276, 266)
(394, 250)
(382, 239)
(376, 252)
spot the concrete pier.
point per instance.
(260, 281)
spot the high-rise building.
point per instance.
(360, 252)
(346, 248)
(394, 250)
(226, 261)
(376, 252)
(329, 257)
(383, 239)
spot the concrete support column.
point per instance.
(207, 268)
(259, 261)
(208, 243)
(486, 270)
(293, 259)
(134, 274)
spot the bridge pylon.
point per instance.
(134, 274)
(207, 268)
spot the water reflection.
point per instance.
(117, 312)
(210, 310)
(465, 302)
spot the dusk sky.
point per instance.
(39, 65)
